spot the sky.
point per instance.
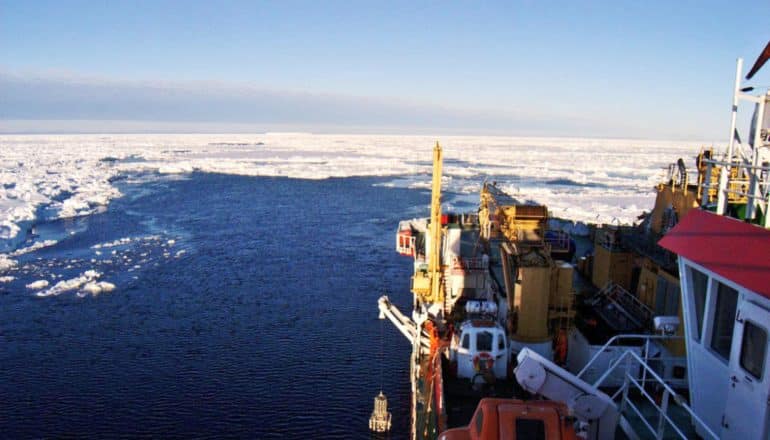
(632, 69)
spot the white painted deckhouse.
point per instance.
(724, 266)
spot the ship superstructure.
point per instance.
(634, 339)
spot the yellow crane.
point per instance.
(426, 285)
(434, 264)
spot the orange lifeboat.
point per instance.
(511, 419)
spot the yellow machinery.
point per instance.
(427, 286)
(524, 224)
(612, 262)
(677, 195)
(539, 291)
(659, 290)
(737, 185)
(656, 287)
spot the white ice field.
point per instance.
(585, 180)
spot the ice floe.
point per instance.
(54, 275)
(95, 288)
(6, 263)
(71, 284)
(39, 284)
(118, 242)
(33, 247)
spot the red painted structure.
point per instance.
(735, 250)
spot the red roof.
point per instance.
(737, 251)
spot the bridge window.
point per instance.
(724, 320)
(753, 349)
(699, 288)
(484, 341)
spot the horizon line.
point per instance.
(245, 129)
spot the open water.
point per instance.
(244, 307)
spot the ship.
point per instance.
(652, 330)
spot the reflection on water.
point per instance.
(243, 307)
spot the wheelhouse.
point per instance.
(724, 267)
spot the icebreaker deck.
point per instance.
(508, 309)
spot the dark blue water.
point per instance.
(258, 319)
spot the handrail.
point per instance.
(616, 294)
(618, 338)
(668, 393)
(758, 192)
(469, 264)
(664, 402)
(739, 164)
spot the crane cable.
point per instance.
(382, 353)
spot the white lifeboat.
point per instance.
(481, 350)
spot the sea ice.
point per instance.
(8, 229)
(6, 263)
(584, 180)
(118, 242)
(71, 284)
(39, 284)
(33, 247)
(95, 288)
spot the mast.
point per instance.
(722, 195)
(434, 264)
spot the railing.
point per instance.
(470, 264)
(753, 188)
(626, 303)
(558, 240)
(647, 360)
(664, 421)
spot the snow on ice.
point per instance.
(71, 284)
(39, 284)
(583, 180)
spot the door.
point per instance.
(465, 355)
(746, 410)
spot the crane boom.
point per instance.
(434, 264)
